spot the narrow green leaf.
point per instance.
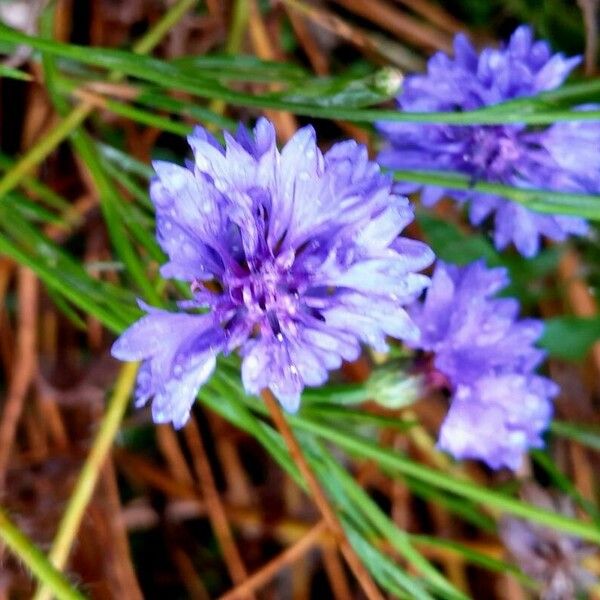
(35, 561)
(50, 276)
(11, 73)
(144, 117)
(394, 462)
(125, 161)
(37, 189)
(563, 483)
(240, 67)
(383, 568)
(169, 76)
(472, 556)
(341, 414)
(467, 511)
(241, 417)
(585, 434)
(399, 540)
(347, 90)
(108, 195)
(65, 307)
(545, 201)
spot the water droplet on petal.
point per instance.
(251, 366)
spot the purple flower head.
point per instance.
(294, 256)
(487, 355)
(562, 157)
(497, 418)
(470, 331)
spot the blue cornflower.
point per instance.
(499, 406)
(562, 157)
(294, 257)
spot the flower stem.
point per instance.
(544, 201)
(235, 38)
(35, 561)
(42, 149)
(333, 523)
(148, 42)
(84, 488)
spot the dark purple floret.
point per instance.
(499, 406)
(555, 560)
(295, 256)
(562, 157)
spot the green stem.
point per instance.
(88, 477)
(146, 117)
(395, 462)
(148, 42)
(237, 29)
(400, 540)
(167, 75)
(81, 299)
(235, 37)
(35, 561)
(546, 201)
(42, 149)
(40, 191)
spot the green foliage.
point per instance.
(454, 245)
(208, 84)
(14, 73)
(331, 423)
(587, 435)
(570, 337)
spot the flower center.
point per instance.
(492, 152)
(268, 292)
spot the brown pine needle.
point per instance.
(320, 499)
(216, 511)
(305, 543)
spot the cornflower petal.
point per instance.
(499, 406)
(561, 157)
(295, 257)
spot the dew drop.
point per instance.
(251, 364)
